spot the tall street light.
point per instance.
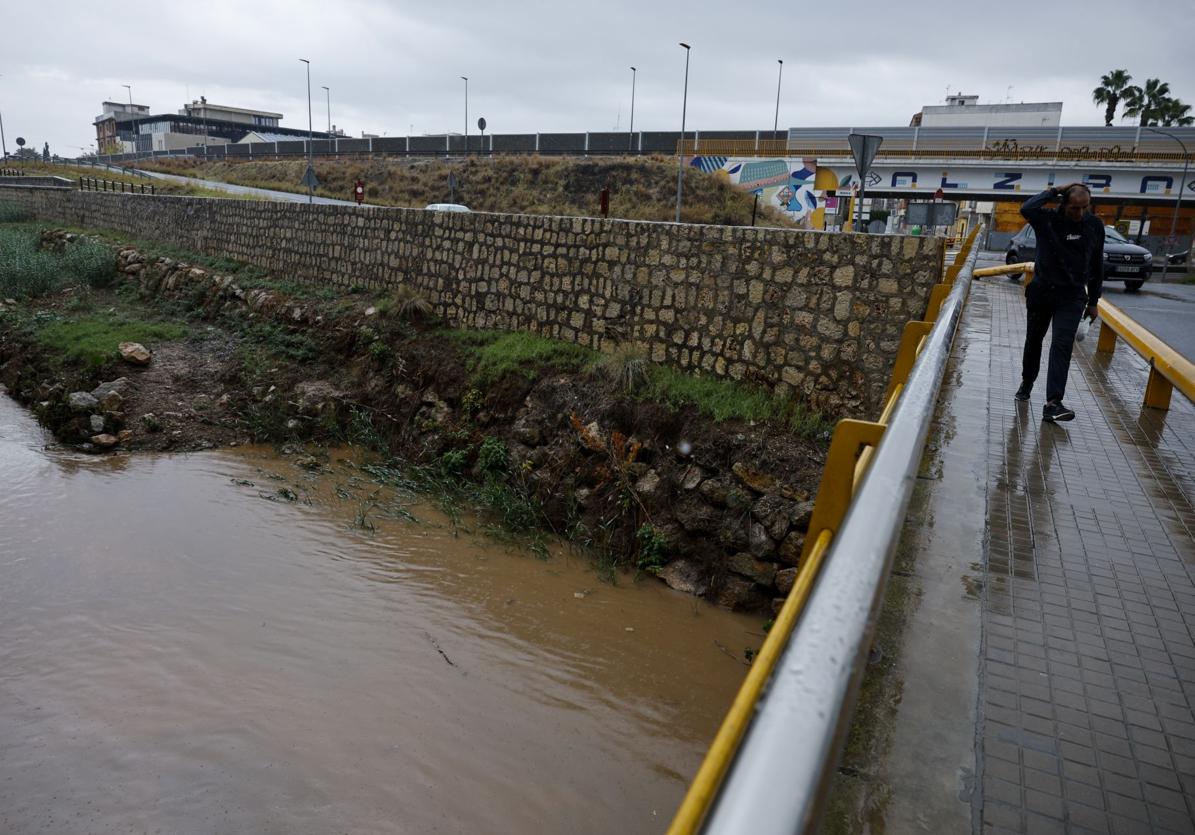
(129, 87)
(310, 167)
(465, 78)
(1182, 187)
(680, 157)
(631, 136)
(3, 144)
(329, 92)
(776, 121)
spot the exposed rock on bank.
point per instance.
(714, 509)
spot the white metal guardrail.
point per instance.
(779, 778)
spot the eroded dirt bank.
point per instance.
(544, 435)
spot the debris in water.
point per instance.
(244, 482)
(437, 646)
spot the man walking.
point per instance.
(1067, 276)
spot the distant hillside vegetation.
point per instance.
(642, 188)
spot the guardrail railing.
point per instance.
(769, 767)
(100, 184)
(1168, 369)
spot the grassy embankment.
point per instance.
(74, 172)
(640, 188)
(71, 305)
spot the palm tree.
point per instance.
(1144, 102)
(1174, 113)
(1109, 93)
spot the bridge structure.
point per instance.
(1048, 669)
(807, 173)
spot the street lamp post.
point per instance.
(310, 167)
(631, 135)
(3, 144)
(1182, 186)
(680, 157)
(465, 78)
(129, 87)
(329, 92)
(776, 121)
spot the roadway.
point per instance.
(248, 191)
(231, 188)
(1166, 309)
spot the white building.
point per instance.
(962, 111)
(203, 109)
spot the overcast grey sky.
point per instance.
(564, 66)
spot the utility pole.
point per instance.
(680, 157)
(129, 87)
(3, 144)
(631, 135)
(466, 80)
(310, 168)
(776, 121)
(1182, 185)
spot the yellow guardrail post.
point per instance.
(1167, 368)
(838, 477)
(910, 346)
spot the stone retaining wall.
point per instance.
(816, 313)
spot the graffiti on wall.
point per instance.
(793, 186)
(798, 186)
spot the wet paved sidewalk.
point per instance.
(1079, 599)
(1087, 674)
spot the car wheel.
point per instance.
(1011, 258)
(1132, 286)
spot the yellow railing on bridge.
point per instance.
(781, 148)
(851, 450)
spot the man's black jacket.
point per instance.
(1070, 254)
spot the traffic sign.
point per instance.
(309, 179)
(481, 123)
(864, 148)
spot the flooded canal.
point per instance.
(184, 650)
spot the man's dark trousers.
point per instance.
(1061, 307)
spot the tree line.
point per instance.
(1150, 102)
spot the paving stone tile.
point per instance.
(1089, 604)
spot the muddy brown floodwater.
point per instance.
(180, 654)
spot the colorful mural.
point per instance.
(793, 186)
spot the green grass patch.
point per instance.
(728, 400)
(93, 340)
(12, 213)
(27, 271)
(526, 354)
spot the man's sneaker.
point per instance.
(1056, 412)
(1023, 392)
